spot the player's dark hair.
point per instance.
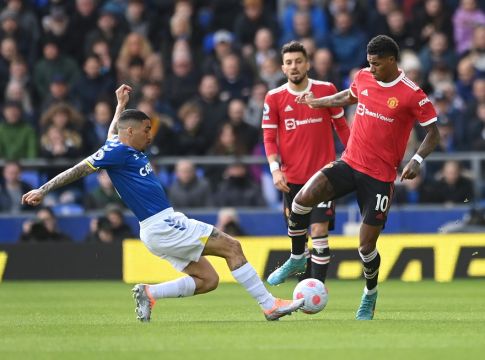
(294, 46)
(382, 46)
(132, 115)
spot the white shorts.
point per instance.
(173, 236)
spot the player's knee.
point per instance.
(212, 282)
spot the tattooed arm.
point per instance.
(35, 197)
(342, 98)
(123, 96)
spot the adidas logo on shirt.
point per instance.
(288, 108)
(364, 92)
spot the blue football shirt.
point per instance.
(132, 176)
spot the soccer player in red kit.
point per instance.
(388, 104)
(299, 141)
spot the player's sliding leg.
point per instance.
(298, 222)
(371, 261)
(222, 245)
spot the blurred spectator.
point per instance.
(476, 129)
(250, 21)
(465, 19)
(92, 84)
(347, 43)
(432, 16)
(356, 9)
(100, 47)
(101, 231)
(83, 20)
(140, 20)
(400, 30)
(437, 51)
(59, 92)
(414, 191)
(410, 64)
(12, 188)
(453, 186)
(222, 46)
(188, 190)
(99, 123)
(69, 122)
(121, 230)
(27, 20)
(254, 109)
(213, 109)
(55, 143)
(8, 52)
(228, 221)
(16, 92)
(234, 83)
(247, 134)
(263, 49)
(316, 16)
(229, 142)
(103, 195)
(270, 72)
(56, 25)
(324, 69)
(377, 17)
(465, 78)
(191, 140)
(478, 97)
(17, 138)
(10, 27)
(163, 130)
(181, 84)
(238, 189)
(477, 50)
(53, 64)
(136, 46)
(108, 28)
(42, 228)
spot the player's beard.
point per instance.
(297, 80)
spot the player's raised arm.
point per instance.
(35, 196)
(122, 97)
(342, 98)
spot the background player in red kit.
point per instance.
(301, 140)
(388, 106)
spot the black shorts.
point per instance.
(322, 212)
(373, 196)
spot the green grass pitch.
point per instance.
(96, 320)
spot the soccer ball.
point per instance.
(315, 294)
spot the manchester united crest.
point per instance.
(392, 102)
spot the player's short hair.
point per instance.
(293, 46)
(132, 115)
(383, 45)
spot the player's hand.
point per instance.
(33, 197)
(305, 98)
(123, 94)
(411, 170)
(279, 181)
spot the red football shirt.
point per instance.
(385, 115)
(301, 136)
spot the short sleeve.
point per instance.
(109, 156)
(353, 86)
(422, 108)
(270, 113)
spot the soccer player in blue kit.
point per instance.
(168, 234)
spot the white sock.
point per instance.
(182, 287)
(247, 277)
(297, 257)
(370, 292)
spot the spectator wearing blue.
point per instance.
(318, 20)
(437, 51)
(347, 43)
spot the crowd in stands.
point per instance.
(201, 68)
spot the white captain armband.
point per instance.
(418, 158)
(273, 166)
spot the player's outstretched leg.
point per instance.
(298, 222)
(144, 302)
